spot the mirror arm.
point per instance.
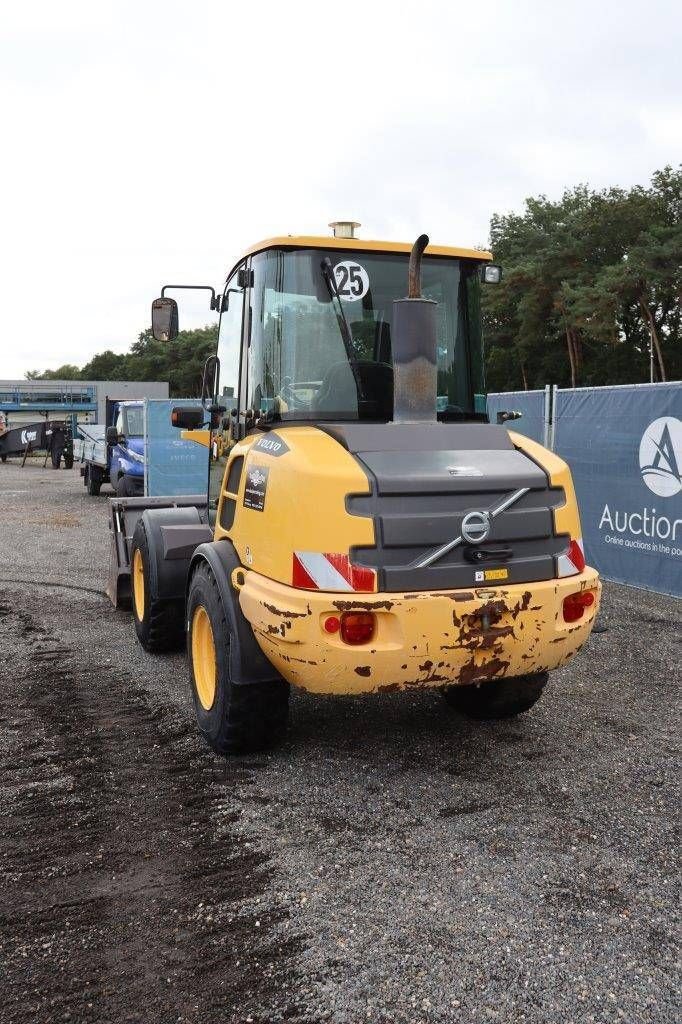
(215, 302)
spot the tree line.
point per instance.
(591, 294)
(591, 289)
(181, 363)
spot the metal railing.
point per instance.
(47, 395)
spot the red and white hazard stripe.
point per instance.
(573, 562)
(315, 570)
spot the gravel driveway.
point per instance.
(391, 862)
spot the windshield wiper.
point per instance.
(330, 281)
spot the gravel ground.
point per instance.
(391, 862)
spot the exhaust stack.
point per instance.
(414, 348)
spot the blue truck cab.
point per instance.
(126, 457)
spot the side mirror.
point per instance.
(165, 319)
(190, 418)
(112, 436)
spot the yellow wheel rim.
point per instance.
(138, 584)
(203, 657)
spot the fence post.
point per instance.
(552, 420)
(546, 417)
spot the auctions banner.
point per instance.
(624, 447)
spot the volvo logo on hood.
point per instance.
(476, 527)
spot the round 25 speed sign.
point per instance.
(352, 280)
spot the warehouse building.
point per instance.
(84, 401)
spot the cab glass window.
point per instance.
(134, 418)
(320, 345)
(226, 383)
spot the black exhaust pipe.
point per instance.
(414, 347)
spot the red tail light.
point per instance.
(357, 627)
(575, 605)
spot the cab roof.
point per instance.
(361, 245)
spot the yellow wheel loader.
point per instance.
(365, 528)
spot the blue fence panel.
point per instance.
(624, 447)
(173, 466)
(530, 403)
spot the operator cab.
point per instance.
(316, 343)
(305, 335)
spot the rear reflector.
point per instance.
(313, 570)
(573, 561)
(575, 604)
(357, 627)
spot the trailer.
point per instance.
(50, 436)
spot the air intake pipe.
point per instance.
(414, 348)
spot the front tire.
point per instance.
(125, 488)
(158, 622)
(499, 698)
(233, 718)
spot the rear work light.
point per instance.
(357, 627)
(575, 605)
(573, 562)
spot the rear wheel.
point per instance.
(233, 718)
(4, 458)
(499, 698)
(158, 622)
(93, 480)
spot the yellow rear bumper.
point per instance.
(435, 638)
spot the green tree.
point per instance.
(592, 284)
(66, 372)
(180, 362)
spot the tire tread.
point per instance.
(163, 627)
(498, 698)
(255, 716)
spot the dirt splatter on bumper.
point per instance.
(435, 638)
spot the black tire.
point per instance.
(68, 461)
(159, 623)
(4, 458)
(93, 481)
(243, 717)
(124, 488)
(499, 698)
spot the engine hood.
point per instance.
(435, 485)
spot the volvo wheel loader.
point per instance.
(365, 528)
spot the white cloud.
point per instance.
(148, 142)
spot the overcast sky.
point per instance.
(151, 142)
